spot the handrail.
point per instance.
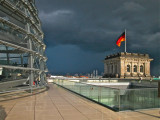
(110, 87)
(21, 68)
(115, 99)
(29, 88)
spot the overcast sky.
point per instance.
(80, 33)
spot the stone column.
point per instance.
(145, 68)
(108, 69)
(131, 68)
(118, 68)
(113, 68)
(105, 67)
(147, 72)
(138, 68)
(122, 68)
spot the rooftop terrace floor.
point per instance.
(60, 104)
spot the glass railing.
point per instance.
(139, 99)
(116, 99)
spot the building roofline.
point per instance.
(125, 54)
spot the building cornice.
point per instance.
(122, 55)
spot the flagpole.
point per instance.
(125, 41)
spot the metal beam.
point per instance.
(21, 48)
(16, 46)
(20, 68)
(4, 58)
(12, 51)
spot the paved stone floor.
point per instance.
(60, 104)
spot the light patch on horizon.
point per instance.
(55, 16)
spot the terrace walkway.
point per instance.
(60, 104)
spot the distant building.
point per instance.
(127, 65)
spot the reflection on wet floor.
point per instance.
(60, 104)
(2, 113)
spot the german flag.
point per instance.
(120, 39)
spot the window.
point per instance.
(115, 68)
(141, 68)
(128, 68)
(112, 68)
(135, 68)
(107, 68)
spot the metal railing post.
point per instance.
(119, 100)
(99, 94)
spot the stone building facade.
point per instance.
(127, 65)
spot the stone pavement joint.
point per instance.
(60, 104)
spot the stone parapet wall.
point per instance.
(125, 54)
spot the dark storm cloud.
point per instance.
(94, 25)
